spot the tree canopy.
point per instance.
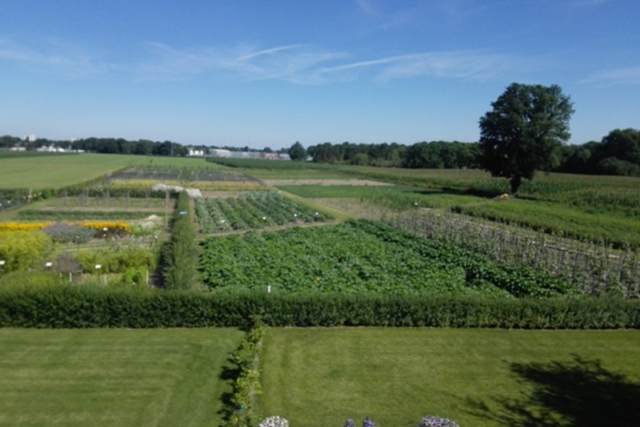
(297, 152)
(524, 132)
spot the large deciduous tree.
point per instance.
(524, 132)
(297, 152)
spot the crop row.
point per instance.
(255, 210)
(593, 267)
(74, 215)
(361, 257)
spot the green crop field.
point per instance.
(53, 171)
(361, 257)
(618, 227)
(102, 377)
(396, 197)
(479, 378)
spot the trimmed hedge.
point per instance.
(181, 253)
(66, 306)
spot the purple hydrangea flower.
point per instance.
(368, 422)
(432, 421)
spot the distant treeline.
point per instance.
(143, 147)
(617, 154)
(101, 145)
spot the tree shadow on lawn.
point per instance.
(229, 374)
(578, 393)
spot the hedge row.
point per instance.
(181, 253)
(88, 307)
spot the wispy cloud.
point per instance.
(296, 63)
(367, 7)
(589, 2)
(292, 63)
(53, 56)
(624, 76)
(309, 65)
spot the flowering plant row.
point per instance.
(109, 227)
(429, 421)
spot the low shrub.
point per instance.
(69, 233)
(117, 260)
(245, 381)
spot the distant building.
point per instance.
(216, 152)
(195, 153)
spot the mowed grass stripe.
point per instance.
(396, 376)
(102, 377)
(58, 171)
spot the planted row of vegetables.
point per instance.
(361, 257)
(252, 211)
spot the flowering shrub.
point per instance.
(274, 422)
(69, 233)
(432, 421)
(367, 422)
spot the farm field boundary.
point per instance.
(65, 306)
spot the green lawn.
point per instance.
(52, 171)
(106, 377)
(396, 376)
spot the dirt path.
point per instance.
(327, 182)
(271, 228)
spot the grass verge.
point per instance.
(107, 377)
(396, 376)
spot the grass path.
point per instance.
(397, 376)
(106, 377)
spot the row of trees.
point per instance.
(101, 145)
(617, 154)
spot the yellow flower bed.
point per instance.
(112, 226)
(23, 226)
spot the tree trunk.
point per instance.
(515, 182)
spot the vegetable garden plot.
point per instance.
(179, 174)
(361, 257)
(252, 211)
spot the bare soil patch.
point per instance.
(356, 208)
(224, 194)
(328, 182)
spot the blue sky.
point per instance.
(269, 73)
